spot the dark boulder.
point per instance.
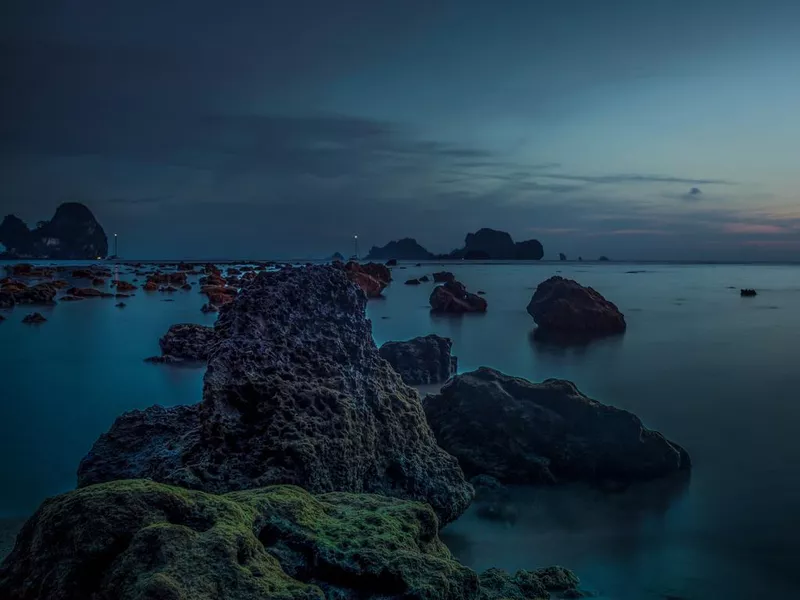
(453, 297)
(442, 277)
(392, 262)
(295, 392)
(564, 305)
(123, 286)
(424, 278)
(88, 293)
(421, 360)
(413, 282)
(34, 318)
(40, 294)
(528, 433)
(748, 293)
(562, 256)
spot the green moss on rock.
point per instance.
(141, 540)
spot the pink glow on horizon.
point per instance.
(754, 228)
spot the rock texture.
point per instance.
(72, 233)
(421, 360)
(564, 305)
(405, 249)
(372, 278)
(140, 540)
(526, 433)
(442, 277)
(186, 342)
(295, 392)
(453, 297)
(14, 293)
(34, 318)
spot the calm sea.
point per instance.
(713, 371)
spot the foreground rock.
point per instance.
(564, 305)
(295, 392)
(72, 233)
(186, 342)
(523, 432)
(421, 360)
(453, 297)
(142, 540)
(372, 278)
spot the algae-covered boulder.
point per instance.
(295, 392)
(141, 540)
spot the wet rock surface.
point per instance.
(564, 305)
(528, 433)
(372, 278)
(143, 540)
(295, 392)
(422, 360)
(186, 342)
(453, 297)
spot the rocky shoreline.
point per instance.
(310, 468)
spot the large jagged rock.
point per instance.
(295, 392)
(141, 540)
(404, 249)
(453, 297)
(529, 250)
(422, 360)
(549, 432)
(72, 233)
(564, 305)
(186, 342)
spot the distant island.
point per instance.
(336, 256)
(73, 233)
(484, 244)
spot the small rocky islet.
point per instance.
(310, 469)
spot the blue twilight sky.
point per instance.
(649, 129)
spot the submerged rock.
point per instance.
(748, 292)
(453, 297)
(442, 277)
(421, 360)
(34, 318)
(18, 293)
(564, 305)
(123, 286)
(88, 293)
(295, 392)
(413, 282)
(549, 432)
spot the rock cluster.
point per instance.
(186, 342)
(527, 433)
(295, 392)
(422, 360)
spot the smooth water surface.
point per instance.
(713, 371)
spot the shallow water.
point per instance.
(713, 371)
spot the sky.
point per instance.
(647, 129)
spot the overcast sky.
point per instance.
(646, 129)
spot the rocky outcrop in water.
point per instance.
(564, 305)
(15, 292)
(34, 318)
(442, 277)
(404, 249)
(453, 297)
(140, 540)
(186, 342)
(88, 293)
(72, 233)
(528, 433)
(422, 360)
(295, 392)
(372, 278)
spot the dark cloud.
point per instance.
(633, 178)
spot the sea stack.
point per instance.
(295, 392)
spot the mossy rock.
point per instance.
(141, 540)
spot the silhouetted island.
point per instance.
(405, 249)
(484, 244)
(72, 233)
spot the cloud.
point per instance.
(754, 228)
(633, 178)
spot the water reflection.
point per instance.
(559, 342)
